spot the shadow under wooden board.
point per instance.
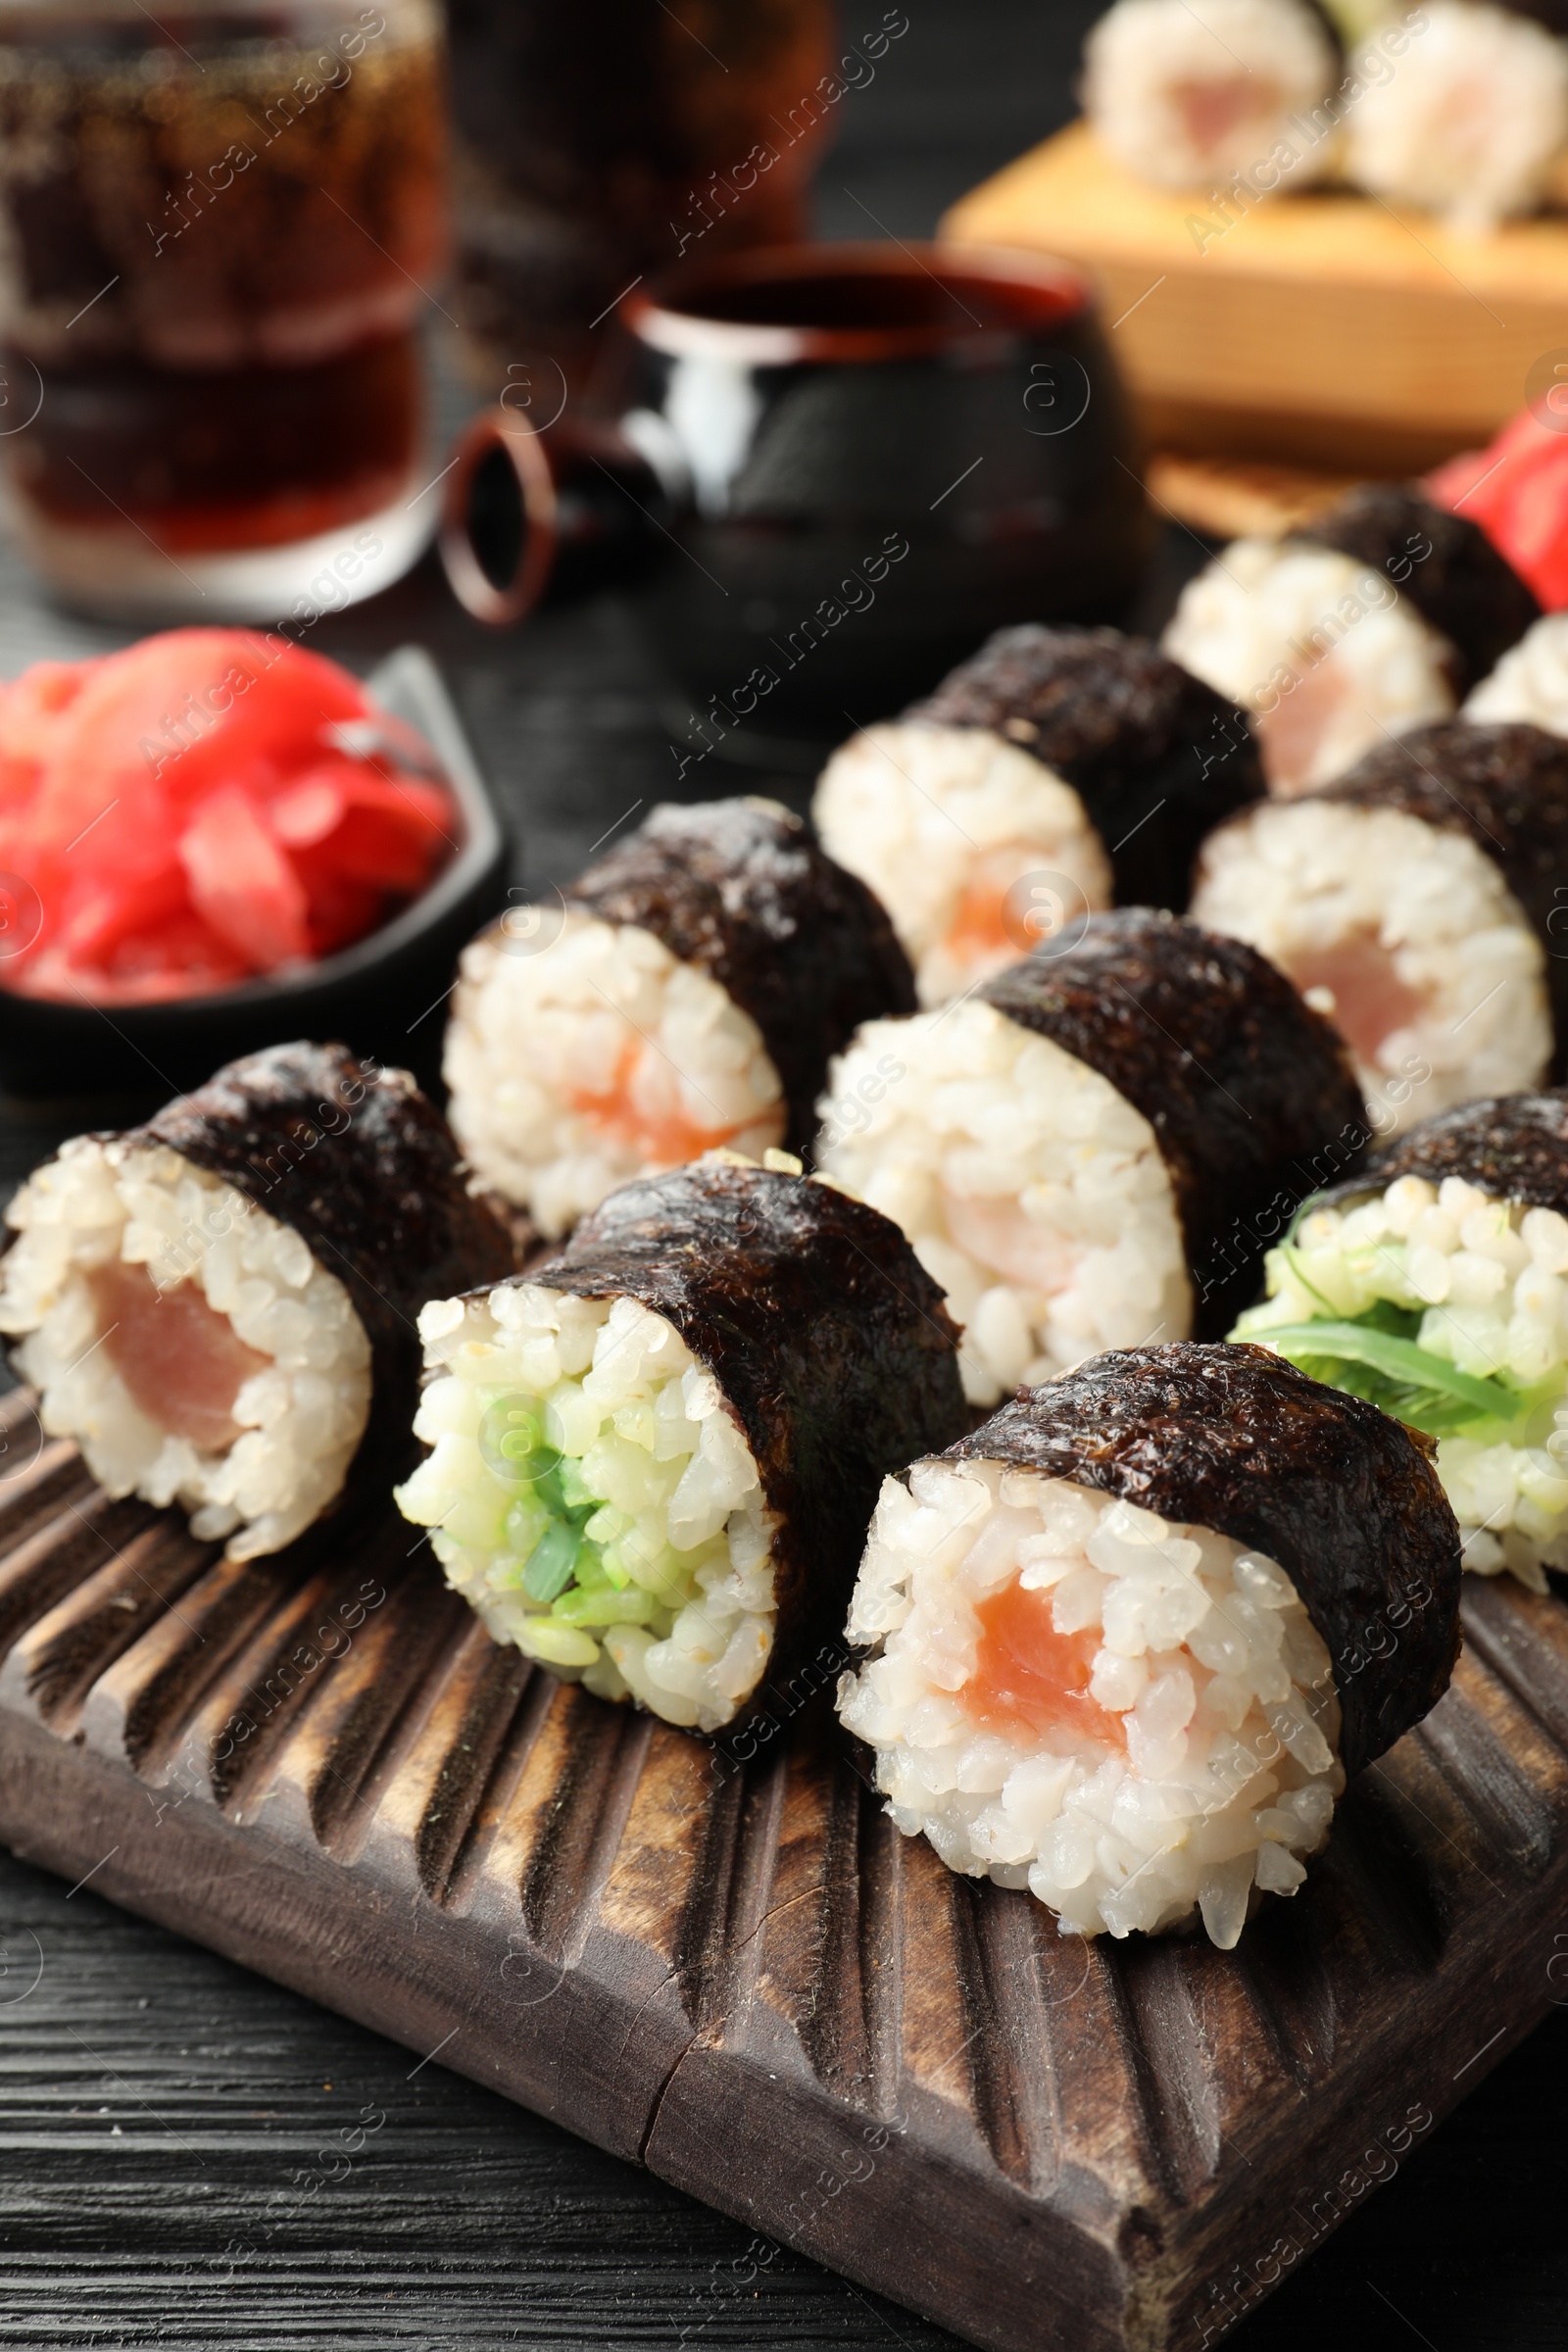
(732, 1969)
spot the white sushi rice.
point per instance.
(683, 1617)
(1471, 122)
(1487, 1277)
(596, 1060)
(1322, 650)
(1425, 912)
(943, 824)
(1029, 1188)
(301, 1418)
(1222, 1771)
(1529, 683)
(1186, 92)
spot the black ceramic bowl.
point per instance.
(385, 996)
(836, 469)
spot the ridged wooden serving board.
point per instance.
(732, 1969)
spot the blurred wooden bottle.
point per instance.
(597, 145)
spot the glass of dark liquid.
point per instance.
(218, 229)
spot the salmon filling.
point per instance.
(1131, 1717)
(599, 1058)
(1029, 1679)
(644, 1113)
(978, 851)
(990, 926)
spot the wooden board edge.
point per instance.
(231, 1887)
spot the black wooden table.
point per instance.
(190, 2157)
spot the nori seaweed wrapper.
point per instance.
(1505, 786)
(1237, 1439)
(1249, 1091)
(367, 1172)
(1553, 13)
(825, 1333)
(1157, 758)
(1330, 24)
(742, 890)
(1469, 593)
(1514, 1147)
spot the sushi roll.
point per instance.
(1130, 1640)
(1377, 617)
(685, 996)
(1530, 682)
(1442, 563)
(1084, 1152)
(219, 1306)
(1417, 903)
(655, 1459)
(1056, 772)
(1471, 122)
(1434, 1286)
(1184, 96)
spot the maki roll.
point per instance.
(1434, 1286)
(1322, 652)
(1130, 1638)
(1530, 682)
(655, 1459)
(1444, 566)
(1084, 1152)
(1183, 97)
(1473, 120)
(219, 1306)
(1059, 771)
(685, 996)
(1379, 615)
(1416, 903)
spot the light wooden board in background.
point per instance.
(1323, 330)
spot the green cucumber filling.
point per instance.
(1449, 1308)
(590, 1494)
